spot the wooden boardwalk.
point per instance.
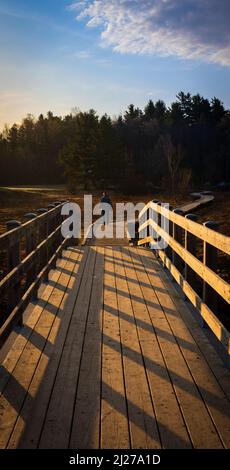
(111, 357)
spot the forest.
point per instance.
(178, 147)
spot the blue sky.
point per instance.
(106, 54)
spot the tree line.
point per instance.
(172, 147)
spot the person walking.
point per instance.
(105, 212)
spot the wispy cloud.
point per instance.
(15, 96)
(34, 17)
(23, 15)
(82, 55)
(191, 29)
(86, 55)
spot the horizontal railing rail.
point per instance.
(216, 239)
(190, 252)
(28, 252)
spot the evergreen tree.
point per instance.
(79, 156)
(149, 111)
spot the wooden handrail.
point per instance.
(7, 239)
(149, 224)
(220, 286)
(221, 333)
(218, 240)
(40, 242)
(15, 316)
(12, 278)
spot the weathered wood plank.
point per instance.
(113, 359)
(215, 399)
(85, 431)
(169, 416)
(142, 420)
(210, 318)
(34, 428)
(197, 418)
(42, 375)
(20, 341)
(114, 419)
(214, 361)
(16, 389)
(57, 426)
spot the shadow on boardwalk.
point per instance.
(106, 360)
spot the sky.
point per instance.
(105, 54)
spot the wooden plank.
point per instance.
(13, 355)
(33, 348)
(93, 241)
(198, 421)
(216, 282)
(145, 241)
(198, 204)
(213, 359)
(212, 321)
(24, 334)
(43, 372)
(210, 390)
(57, 425)
(142, 420)
(173, 432)
(147, 206)
(16, 390)
(44, 377)
(85, 431)
(114, 420)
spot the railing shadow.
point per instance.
(65, 409)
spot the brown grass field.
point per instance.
(16, 202)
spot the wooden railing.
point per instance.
(28, 252)
(190, 253)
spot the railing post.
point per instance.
(178, 236)
(50, 228)
(161, 222)
(58, 222)
(42, 210)
(191, 246)
(57, 217)
(154, 217)
(168, 249)
(13, 261)
(61, 220)
(43, 232)
(31, 243)
(158, 221)
(210, 260)
(43, 227)
(147, 218)
(51, 220)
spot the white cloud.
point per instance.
(82, 55)
(192, 29)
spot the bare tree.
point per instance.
(174, 156)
